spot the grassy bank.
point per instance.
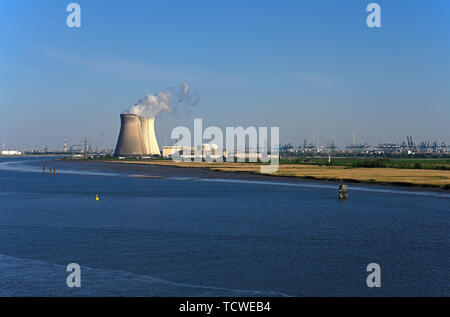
(436, 178)
(408, 163)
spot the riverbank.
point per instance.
(387, 176)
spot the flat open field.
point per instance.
(394, 176)
(412, 163)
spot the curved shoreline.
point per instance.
(248, 170)
(165, 171)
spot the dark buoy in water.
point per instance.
(343, 191)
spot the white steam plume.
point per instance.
(170, 100)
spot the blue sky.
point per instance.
(305, 66)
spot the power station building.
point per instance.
(137, 136)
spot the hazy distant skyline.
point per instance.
(309, 67)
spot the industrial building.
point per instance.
(10, 152)
(205, 150)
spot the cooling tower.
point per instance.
(148, 136)
(136, 137)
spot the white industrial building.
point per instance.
(10, 152)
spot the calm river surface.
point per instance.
(174, 232)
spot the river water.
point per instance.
(167, 232)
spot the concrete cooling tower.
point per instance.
(137, 136)
(148, 136)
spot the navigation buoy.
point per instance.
(343, 192)
(96, 197)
